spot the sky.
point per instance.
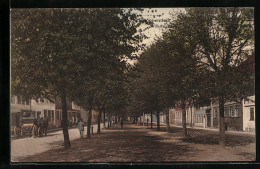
(160, 17)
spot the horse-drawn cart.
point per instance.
(26, 126)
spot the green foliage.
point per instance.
(58, 51)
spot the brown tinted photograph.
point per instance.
(113, 85)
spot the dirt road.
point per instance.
(135, 143)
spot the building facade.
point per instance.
(44, 108)
(233, 115)
(249, 114)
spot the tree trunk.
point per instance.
(151, 119)
(158, 120)
(108, 120)
(99, 119)
(89, 122)
(116, 118)
(65, 122)
(167, 119)
(183, 105)
(104, 120)
(221, 123)
(122, 122)
(191, 116)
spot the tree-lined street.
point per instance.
(96, 60)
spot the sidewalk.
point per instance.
(200, 128)
(137, 143)
(215, 129)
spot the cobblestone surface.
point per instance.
(137, 143)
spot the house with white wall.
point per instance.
(249, 114)
(44, 108)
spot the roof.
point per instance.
(75, 110)
(179, 108)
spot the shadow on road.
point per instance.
(130, 144)
(209, 137)
(136, 143)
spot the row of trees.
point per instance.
(82, 54)
(78, 54)
(198, 57)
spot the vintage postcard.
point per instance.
(132, 84)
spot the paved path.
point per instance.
(135, 143)
(29, 146)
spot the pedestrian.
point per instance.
(81, 128)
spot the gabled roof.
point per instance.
(179, 108)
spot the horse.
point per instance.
(42, 127)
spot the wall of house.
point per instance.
(248, 123)
(44, 109)
(234, 123)
(200, 118)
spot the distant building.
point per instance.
(238, 115)
(58, 111)
(17, 107)
(44, 108)
(31, 107)
(249, 114)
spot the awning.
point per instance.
(75, 110)
(202, 112)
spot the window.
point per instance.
(19, 100)
(225, 111)
(49, 115)
(236, 111)
(231, 112)
(52, 115)
(215, 112)
(38, 114)
(57, 115)
(34, 113)
(45, 113)
(27, 101)
(23, 101)
(13, 99)
(252, 114)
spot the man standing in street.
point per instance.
(81, 128)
